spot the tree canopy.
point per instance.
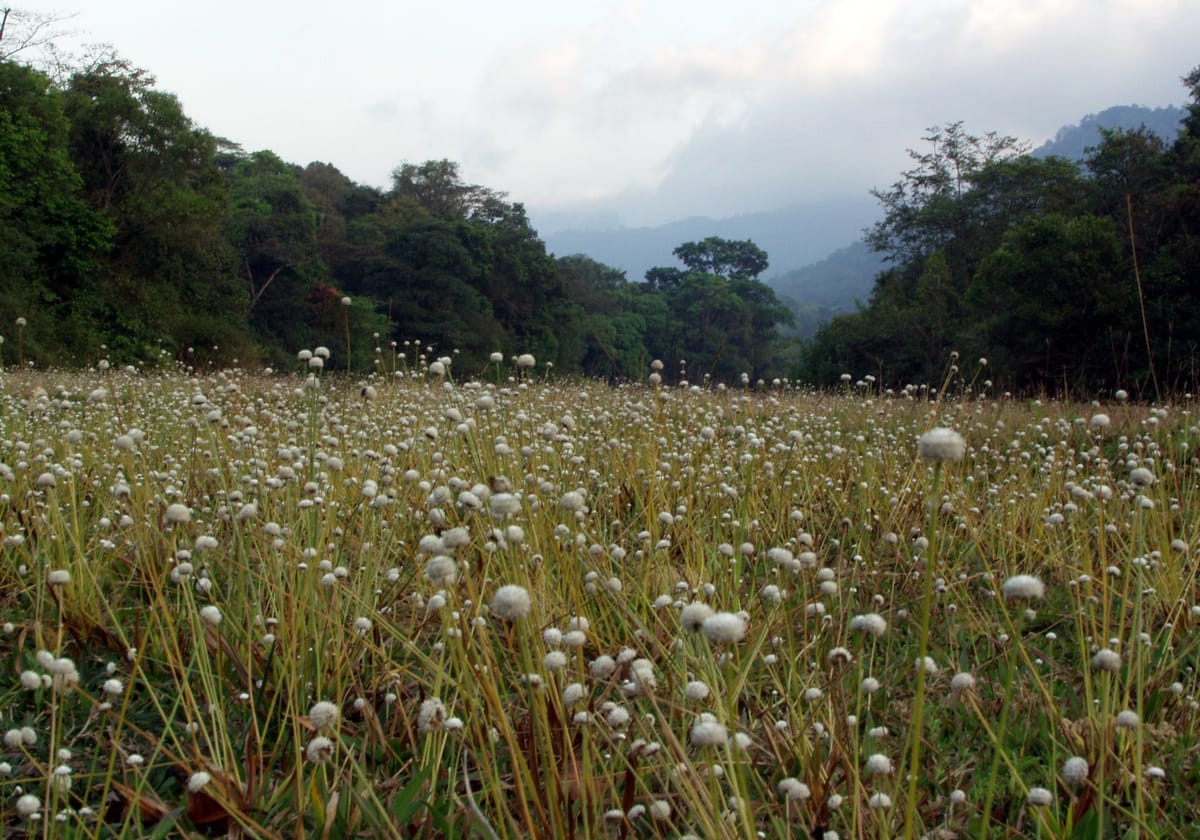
(129, 232)
(1061, 276)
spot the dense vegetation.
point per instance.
(238, 605)
(128, 233)
(1060, 276)
(131, 234)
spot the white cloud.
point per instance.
(654, 108)
(829, 104)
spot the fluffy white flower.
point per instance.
(1075, 770)
(1024, 587)
(177, 514)
(319, 750)
(941, 444)
(962, 681)
(511, 602)
(431, 716)
(1142, 477)
(324, 715)
(441, 570)
(724, 628)
(1039, 797)
(28, 805)
(1107, 660)
(707, 732)
(878, 764)
(693, 616)
(211, 615)
(872, 623)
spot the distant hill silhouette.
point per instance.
(812, 270)
(792, 236)
(817, 292)
(1073, 141)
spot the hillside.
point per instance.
(817, 292)
(1073, 141)
(792, 236)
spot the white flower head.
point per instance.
(511, 602)
(878, 764)
(1039, 797)
(1024, 588)
(724, 628)
(1142, 477)
(177, 514)
(1107, 660)
(1075, 770)
(431, 716)
(441, 570)
(871, 623)
(28, 805)
(324, 715)
(707, 731)
(319, 750)
(693, 616)
(211, 615)
(941, 444)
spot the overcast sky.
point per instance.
(643, 112)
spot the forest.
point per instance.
(130, 234)
(1043, 275)
(133, 235)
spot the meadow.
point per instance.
(498, 605)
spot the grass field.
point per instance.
(295, 606)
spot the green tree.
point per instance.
(437, 186)
(169, 280)
(722, 320)
(923, 211)
(1053, 304)
(733, 260)
(274, 229)
(50, 240)
(614, 338)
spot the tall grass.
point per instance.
(190, 564)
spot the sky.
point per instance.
(634, 112)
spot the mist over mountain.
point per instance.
(792, 236)
(819, 265)
(803, 233)
(817, 292)
(1073, 141)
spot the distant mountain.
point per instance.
(819, 291)
(814, 280)
(1073, 141)
(792, 237)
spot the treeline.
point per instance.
(1062, 276)
(131, 234)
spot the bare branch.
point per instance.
(21, 31)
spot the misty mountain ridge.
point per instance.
(817, 292)
(812, 270)
(1073, 141)
(793, 236)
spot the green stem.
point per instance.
(914, 765)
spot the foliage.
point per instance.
(721, 322)
(50, 240)
(1063, 276)
(133, 235)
